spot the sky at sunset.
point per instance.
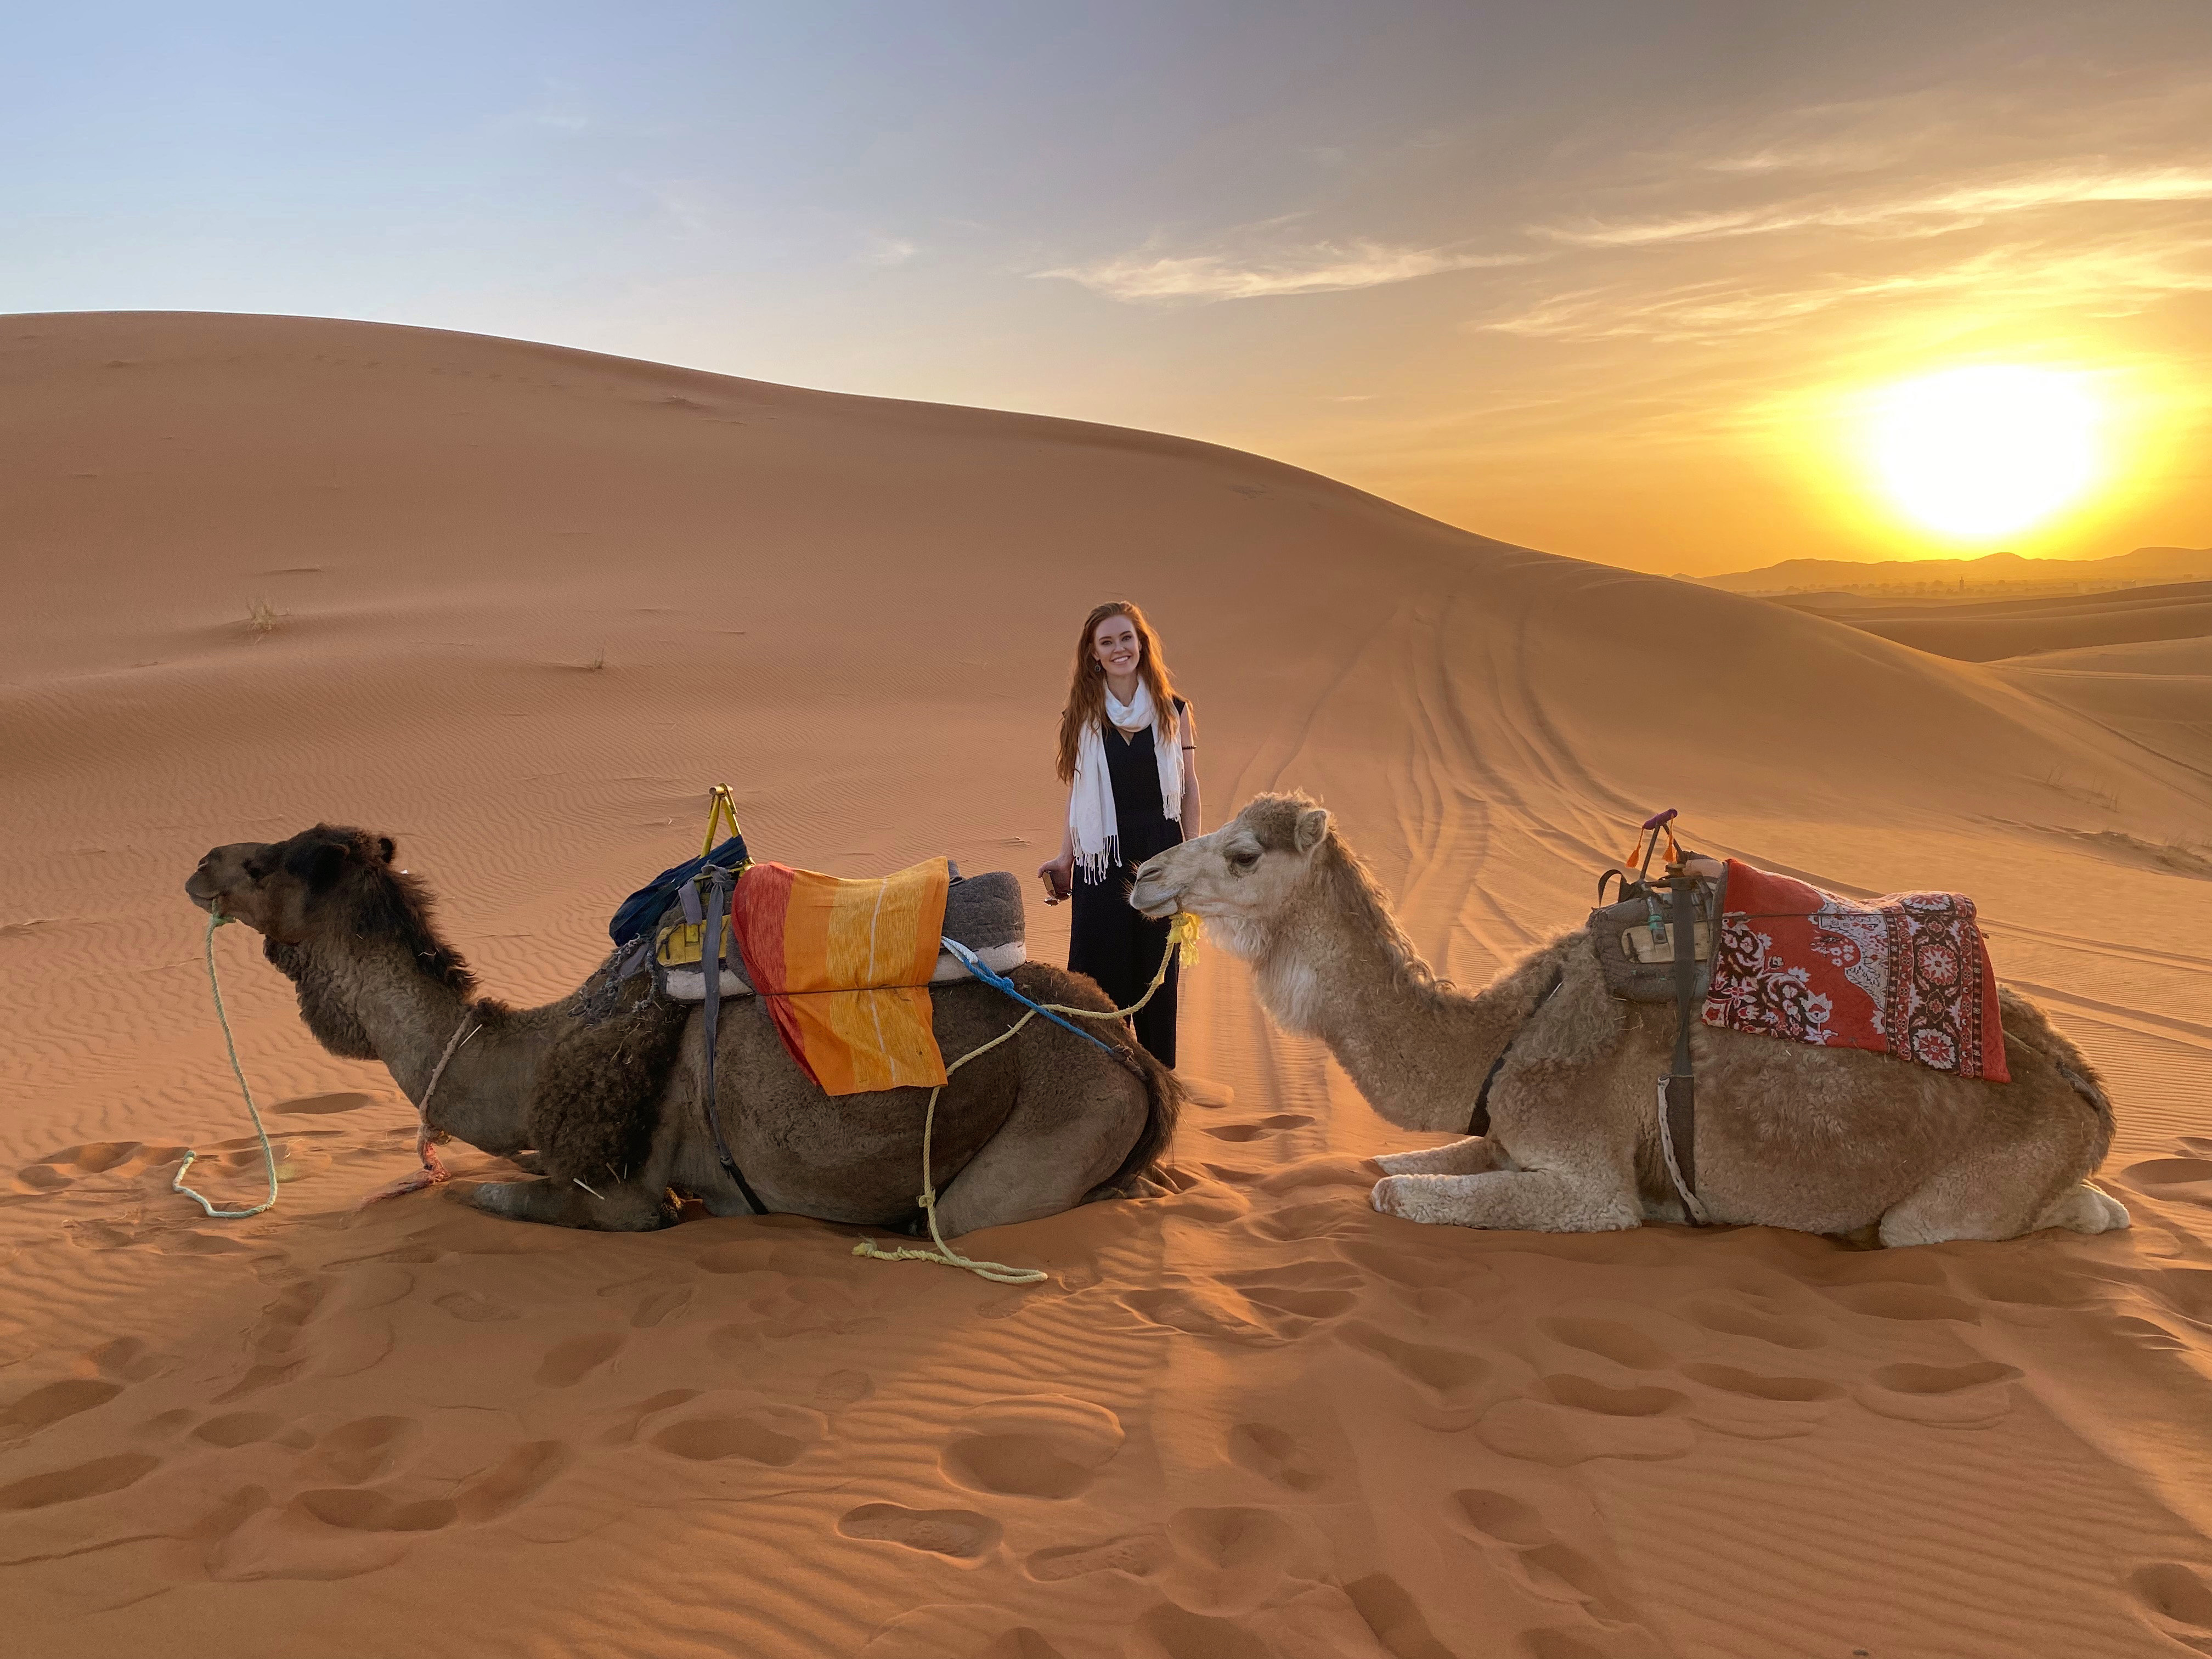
(1626, 281)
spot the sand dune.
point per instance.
(524, 604)
(1986, 629)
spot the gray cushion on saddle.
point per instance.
(984, 913)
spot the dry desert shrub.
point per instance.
(262, 617)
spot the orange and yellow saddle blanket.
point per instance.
(844, 967)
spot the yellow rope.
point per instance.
(216, 919)
(1182, 939)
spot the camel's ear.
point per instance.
(385, 848)
(1313, 824)
(318, 864)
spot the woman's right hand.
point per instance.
(1058, 876)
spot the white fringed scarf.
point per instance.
(1097, 834)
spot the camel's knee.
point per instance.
(1471, 1156)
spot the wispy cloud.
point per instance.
(1147, 276)
(2107, 278)
(888, 250)
(1914, 212)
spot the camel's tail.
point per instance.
(2024, 1022)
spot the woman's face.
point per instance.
(1114, 643)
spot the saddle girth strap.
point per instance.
(710, 963)
(1678, 1122)
(1478, 1121)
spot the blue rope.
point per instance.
(974, 964)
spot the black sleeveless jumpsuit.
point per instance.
(1108, 941)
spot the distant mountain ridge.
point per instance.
(2007, 570)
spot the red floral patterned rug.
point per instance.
(1907, 974)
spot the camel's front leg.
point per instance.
(615, 1207)
(1470, 1156)
(1524, 1201)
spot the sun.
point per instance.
(1982, 451)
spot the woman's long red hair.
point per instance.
(1086, 692)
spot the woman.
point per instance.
(1128, 754)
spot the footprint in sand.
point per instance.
(1265, 1126)
(322, 1105)
(362, 1449)
(1905, 1302)
(569, 1363)
(1757, 1406)
(841, 1389)
(2185, 1291)
(770, 1434)
(1272, 1455)
(101, 1474)
(273, 1337)
(1609, 1338)
(472, 1309)
(1583, 1420)
(2173, 1179)
(29, 1412)
(128, 1358)
(624, 1431)
(959, 1534)
(2179, 1597)
(1395, 1618)
(516, 1478)
(1450, 1385)
(1228, 1561)
(1971, 1396)
(653, 1300)
(1140, 1554)
(1044, 1445)
(1547, 1568)
(351, 1509)
(1733, 1319)
(1168, 1631)
(1202, 1309)
(251, 1428)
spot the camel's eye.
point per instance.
(1244, 863)
(255, 869)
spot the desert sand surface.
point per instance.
(529, 604)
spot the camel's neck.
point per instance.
(373, 1001)
(1417, 1051)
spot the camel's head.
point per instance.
(329, 883)
(1240, 878)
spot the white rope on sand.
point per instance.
(216, 919)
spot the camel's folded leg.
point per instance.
(1470, 1156)
(614, 1208)
(1527, 1201)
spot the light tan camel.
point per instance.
(610, 1114)
(1825, 1141)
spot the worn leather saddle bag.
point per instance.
(1634, 937)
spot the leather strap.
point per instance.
(710, 964)
(1478, 1121)
(1682, 1089)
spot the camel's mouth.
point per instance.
(1157, 907)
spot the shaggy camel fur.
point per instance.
(610, 1114)
(1826, 1140)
